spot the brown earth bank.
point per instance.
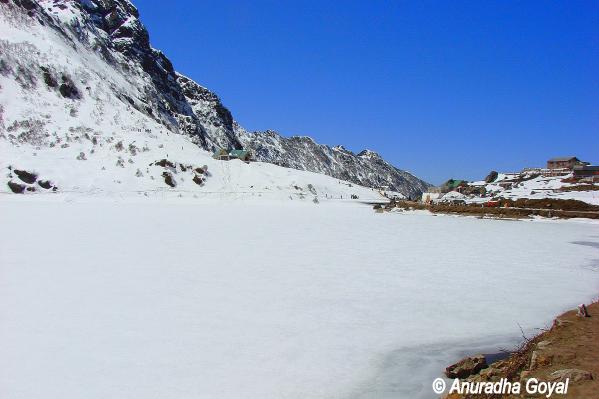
(506, 208)
(581, 187)
(569, 349)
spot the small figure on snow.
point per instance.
(582, 311)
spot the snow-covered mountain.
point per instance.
(77, 76)
(366, 168)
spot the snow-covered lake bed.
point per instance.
(201, 299)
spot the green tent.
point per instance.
(221, 152)
(455, 183)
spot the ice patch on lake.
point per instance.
(181, 299)
(395, 375)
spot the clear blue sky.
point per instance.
(440, 88)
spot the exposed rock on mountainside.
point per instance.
(300, 152)
(108, 37)
(87, 67)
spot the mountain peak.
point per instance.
(369, 154)
(341, 148)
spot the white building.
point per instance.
(429, 197)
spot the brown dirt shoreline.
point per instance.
(521, 208)
(572, 343)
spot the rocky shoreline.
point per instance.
(505, 209)
(567, 350)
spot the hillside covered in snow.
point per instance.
(523, 185)
(86, 104)
(533, 186)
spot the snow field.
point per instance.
(281, 299)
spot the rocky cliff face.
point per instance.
(96, 56)
(366, 168)
(111, 31)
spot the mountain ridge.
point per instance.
(366, 168)
(120, 72)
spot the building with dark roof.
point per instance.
(581, 171)
(564, 163)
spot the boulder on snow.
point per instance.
(466, 367)
(165, 163)
(16, 187)
(68, 89)
(45, 184)
(27, 177)
(491, 177)
(198, 180)
(168, 179)
(48, 78)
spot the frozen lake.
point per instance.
(152, 299)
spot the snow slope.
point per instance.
(125, 164)
(97, 143)
(180, 298)
(514, 187)
(72, 72)
(526, 185)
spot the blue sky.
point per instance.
(440, 88)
